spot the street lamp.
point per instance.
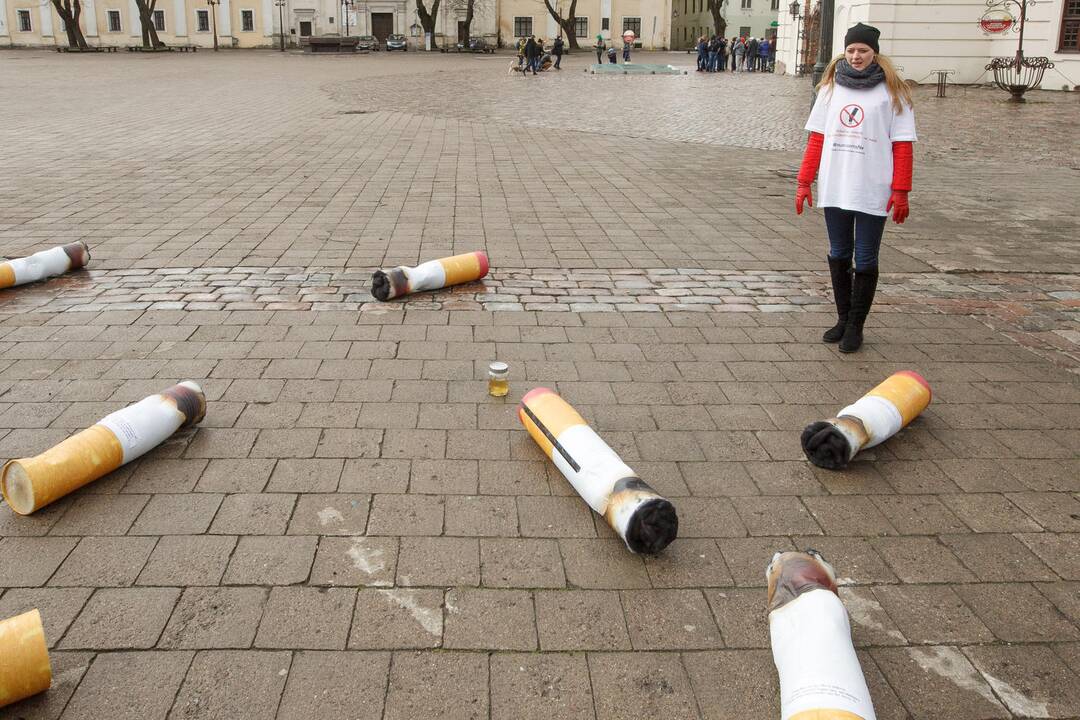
(346, 5)
(794, 9)
(213, 19)
(281, 20)
(824, 40)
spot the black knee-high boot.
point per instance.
(863, 286)
(841, 290)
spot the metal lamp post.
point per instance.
(281, 20)
(213, 19)
(824, 41)
(793, 8)
(346, 6)
(1016, 75)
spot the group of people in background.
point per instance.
(750, 54)
(532, 56)
(612, 52)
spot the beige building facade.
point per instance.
(649, 19)
(690, 19)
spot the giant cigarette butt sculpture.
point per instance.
(24, 658)
(44, 264)
(820, 676)
(32, 483)
(646, 522)
(432, 275)
(873, 419)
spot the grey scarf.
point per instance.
(849, 77)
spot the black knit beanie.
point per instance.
(865, 34)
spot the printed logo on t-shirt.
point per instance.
(851, 116)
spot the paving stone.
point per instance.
(215, 618)
(1061, 552)
(306, 617)
(355, 561)
(997, 557)
(450, 685)
(397, 618)
(31, 561)
(481, 516)
(524, 563)
(581, 620)
(938, 679)
(602, 564)
(747, 558)
(1017, 612)
(336, 514)
(870, 625)
(100, 515)
(490, 619)
(235, 476)
(335, 686)
(1030, 680)
(68, 669)
(917, 559)
(689, 563)
(121, 619)
(262, 514)
(182, 560)
(188, 514)
(627, 685)
(375, 476)
(165, 475)
(439, 561)
(749, 689)
(406, 515)
(129, 685)
(557, 517)
(931, 614)
(104, 562)
(270, 560)
(58, 607)
(232, 684)
(530, 686)
(670, 620)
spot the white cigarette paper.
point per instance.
(44, 264)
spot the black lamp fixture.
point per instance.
(794, 9)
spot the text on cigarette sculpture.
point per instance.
(44, 264)
(432, 275)
(24, 658)
(873, 419)
(29, 484)
(820, 676)
(646, 522)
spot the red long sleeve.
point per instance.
(903, 154)
(811, 158)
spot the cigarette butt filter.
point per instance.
(870, 421)
(645, 521)
(44, 264)
(431, 275)
(820, 675)
(30, 484)
(24, 658)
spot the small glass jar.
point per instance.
(498, 385)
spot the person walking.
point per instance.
(599, 48)
(530, 56)
(861, 130)
(739, 53)
(751, 54)
(557, 50)
(763, 55)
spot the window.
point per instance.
(581, 27)
(202, 20)
(1070, 27)
(605, 23)
(632, 23)
(247, 21)
(159, 20)
(522, 27)
(775, 5)
(114, 20)
(746, 4)
(744, 31)
(24, 21)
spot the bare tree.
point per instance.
(70, 11)
(567, 23)
(471, 11)
(427, 19)
(719, 21)
(150, 37)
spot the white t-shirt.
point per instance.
(860, 127)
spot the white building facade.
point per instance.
(922, 37)
(747, 18)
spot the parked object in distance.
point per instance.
(645, 521)
(44, 264)
(432, 275)
(810, 635)
(368, 42)
(396, 42)
(870, 421)
(29, 484)
(24, 657)
(479, 45)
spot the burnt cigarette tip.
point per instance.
(825, 446)
(380, 286)
(652, 527)
(190, 401)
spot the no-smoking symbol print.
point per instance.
(851, 116)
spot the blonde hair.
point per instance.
(897, 86)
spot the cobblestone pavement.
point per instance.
(357, 530)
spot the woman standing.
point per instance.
(599, 48)
(861, 132)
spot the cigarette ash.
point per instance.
(429, 618)
(366, 560)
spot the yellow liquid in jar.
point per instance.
(498, 387)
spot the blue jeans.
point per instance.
(712, 62)
(854, 233)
